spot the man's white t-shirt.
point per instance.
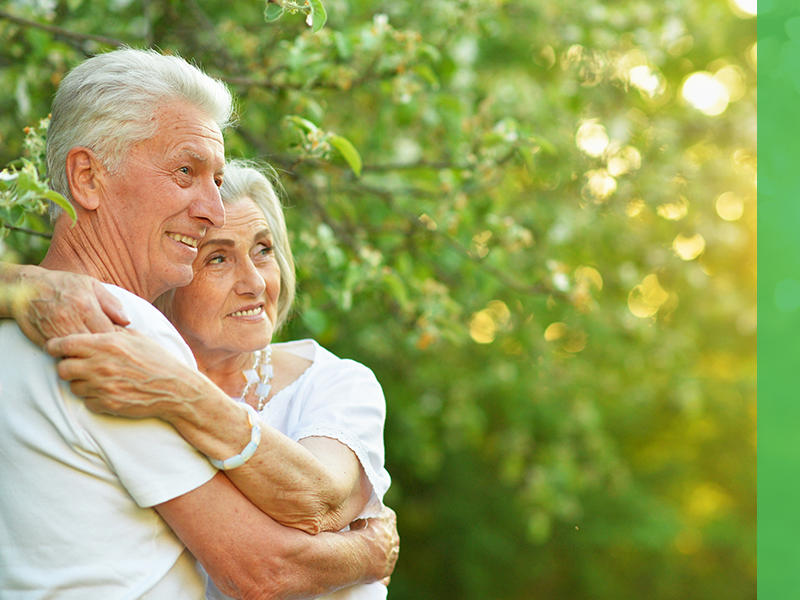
(339, 399)
(77, 488)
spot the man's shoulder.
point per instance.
(136, 308)
(147, 319)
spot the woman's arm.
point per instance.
(49, 304)
(316, 485)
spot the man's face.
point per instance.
(159, 205)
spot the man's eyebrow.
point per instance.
(230, 243)
(195, 155)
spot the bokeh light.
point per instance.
(674, 211)
(555, 331)
(705, 93)
(484, 324)
(592, 138)
(729, 206)
(624, 160)
(643, 78)
(733, 78)
(689, 248)
(646, 298)
(745, 8)
(601, 184)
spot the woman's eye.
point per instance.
(265, 250)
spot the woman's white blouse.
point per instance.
(340, 399)
(335, 398)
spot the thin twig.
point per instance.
(43, 234)
(59, 31)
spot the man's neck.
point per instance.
(77, 250)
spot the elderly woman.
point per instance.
(313, 457)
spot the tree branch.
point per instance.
(59, 31)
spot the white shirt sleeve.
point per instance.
(152, 461)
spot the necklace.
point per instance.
(261, 374)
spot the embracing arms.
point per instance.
(250, 556)
(126, 373)
(315, 485)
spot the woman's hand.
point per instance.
(47, 304)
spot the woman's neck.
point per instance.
(226, 372)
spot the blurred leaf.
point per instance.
(318, 15)
(273, 12)
(348, 151)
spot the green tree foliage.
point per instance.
(536, 221)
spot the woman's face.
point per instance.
(232, 303)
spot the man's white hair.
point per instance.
(108, 102)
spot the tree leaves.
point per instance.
(316, 16)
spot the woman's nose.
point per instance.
(251, 282)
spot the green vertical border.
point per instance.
(779, 321)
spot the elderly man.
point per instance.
(93, 506)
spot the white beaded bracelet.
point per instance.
(249, 450)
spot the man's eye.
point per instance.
(216, 260)
(184, 170)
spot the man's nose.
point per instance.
(208, 205)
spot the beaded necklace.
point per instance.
(261, 373)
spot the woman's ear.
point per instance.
(84, 175)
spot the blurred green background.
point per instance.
(535, 220)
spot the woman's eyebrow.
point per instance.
(217, 242)
(262, 234)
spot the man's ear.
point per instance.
(84, 177)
